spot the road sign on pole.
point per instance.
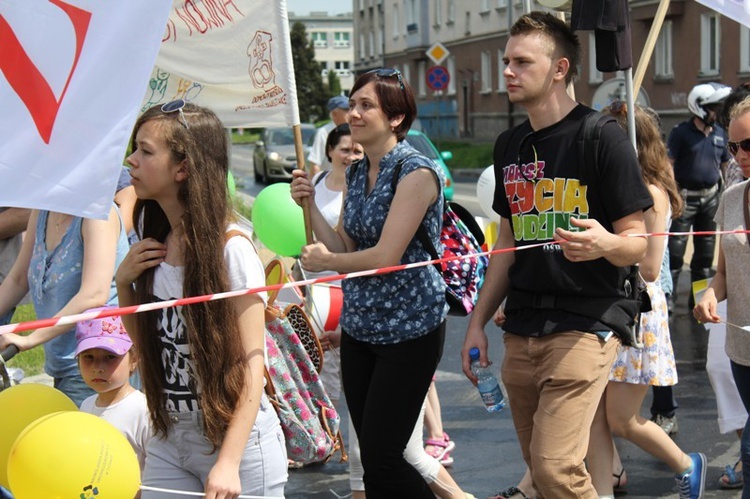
(438, 78)
(437, 53)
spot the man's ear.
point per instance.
(562, 68)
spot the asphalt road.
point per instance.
(487, 457)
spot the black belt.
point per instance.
(708, 191)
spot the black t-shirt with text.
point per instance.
(554, 190)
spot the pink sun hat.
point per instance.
(106, 332)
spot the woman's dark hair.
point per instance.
(394, 95)
(334, 137)
(212, 327)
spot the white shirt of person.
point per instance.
(130, 416)
(317, 153)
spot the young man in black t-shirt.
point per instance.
(565, 294)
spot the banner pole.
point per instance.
(648, 48)
(301, 164)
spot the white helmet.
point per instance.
(706, 94)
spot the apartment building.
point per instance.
(332, 37)
(695, 44)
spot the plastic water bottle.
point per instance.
(487, 384)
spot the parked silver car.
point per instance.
(274, 157)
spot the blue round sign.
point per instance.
(438, 78)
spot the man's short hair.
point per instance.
(564, 42)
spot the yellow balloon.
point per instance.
(20, 405)
(73, 454)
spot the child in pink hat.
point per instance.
(106, 361)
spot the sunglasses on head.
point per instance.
(388, 73)
(734, 147)
(174, 106)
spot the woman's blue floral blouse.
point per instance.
(398, 306)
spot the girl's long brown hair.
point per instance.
(652, 153)
(212, 327)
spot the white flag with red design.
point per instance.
(738, 10)
(72, 79)
(233, 56)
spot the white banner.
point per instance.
(738, 10)
(233, 56)
(72, 74)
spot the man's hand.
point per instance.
(590, 244)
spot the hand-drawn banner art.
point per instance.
(72, 76)
(233, 56)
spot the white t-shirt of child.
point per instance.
(130, 416)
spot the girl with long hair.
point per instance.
(202, 365)
(635, 369)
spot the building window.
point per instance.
(451, 11)
(502, 4)
(341, 39)
(362, 48)
(486, 72)
(485, 6)
(451, 67)
(595, 76)
(379, 46)
(320, 39)
(467, 19)
(411, 16)
(500, 68)
(396, 22)
(663, 52)
(744, 49)
(324, 68)
(438, 13)
(343, 68)
(371, 40)
(422, 76)
(407, 73)
(710, 37)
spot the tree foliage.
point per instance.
(312, 94)
(334, 83)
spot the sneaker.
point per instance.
(669, 425)
(691, 485)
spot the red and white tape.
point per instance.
(134, 309)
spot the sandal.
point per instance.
(440, 448)
(619, 482)
(508, 493)
(731, 479)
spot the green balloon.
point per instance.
(278, 221)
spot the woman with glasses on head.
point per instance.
(731, 280)
(653, 363)
(393, 325)
(202, 365)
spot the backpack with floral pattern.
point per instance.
(460, 236)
